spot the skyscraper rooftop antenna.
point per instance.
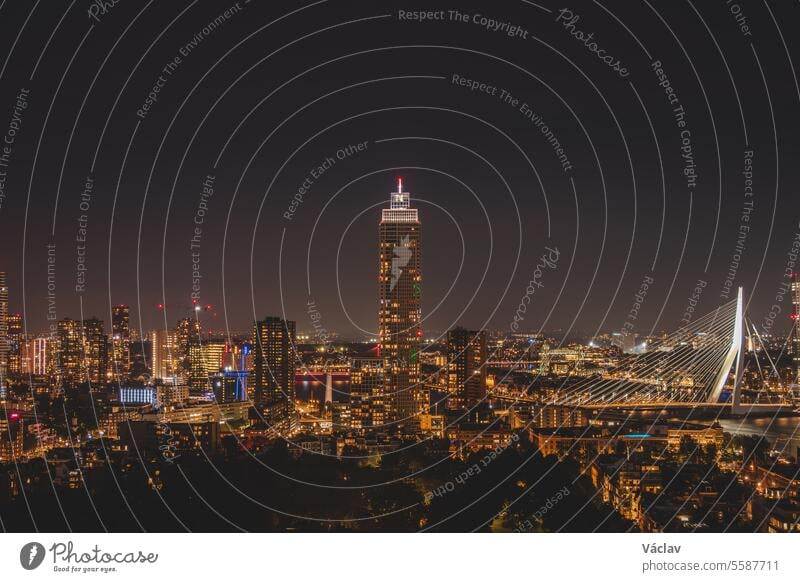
(400, 200)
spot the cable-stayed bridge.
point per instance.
(699, 365)
(690, 365)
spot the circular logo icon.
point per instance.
(31, 555)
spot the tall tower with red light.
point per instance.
(400, 309)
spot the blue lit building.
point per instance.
(229, 386)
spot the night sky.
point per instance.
(262, 95)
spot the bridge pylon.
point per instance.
(733, 359)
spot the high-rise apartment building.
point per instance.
(120, 343)
(206, 358)
(466, 368)
(70, 351)
(198, 371)
(95, 350)
(164, 364)
(367, 406)
(400, 290)
(215, 352)
(274, 342)
(187, 332)
(15, 338)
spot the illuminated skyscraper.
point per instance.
(26, 347)
(15, 338)
(205, 359)
(187, 331)
(164, 364)
(95, 350)
(70, 351)
(120, 342)
(247, 363)
(466, 376)
(400, 311)
(198, 371)
(215, 353)
(274, 344)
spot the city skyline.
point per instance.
(650, 312)
(375, 267)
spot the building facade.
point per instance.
(367, 398)
(274, 341)
(466, 364)
(15, 340)
(164, 361)
(120, 343)
(70, 351)
(400, 309)
(95, 350)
